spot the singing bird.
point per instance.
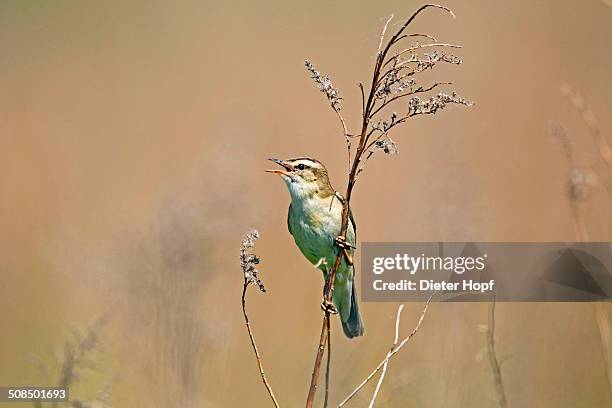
(314, 221)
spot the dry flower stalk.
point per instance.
(580, 182)
(394, 350)
(393, 79)
(247, 263)
(495, 363)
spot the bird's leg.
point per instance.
(345, 246)
(348, 257)
(328, 307)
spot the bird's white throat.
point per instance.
(299, 188)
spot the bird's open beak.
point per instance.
(280, 163)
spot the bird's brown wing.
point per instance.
(289, 220)
(351, 219)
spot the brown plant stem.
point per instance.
(493, 361)
(355, 167)
(257, 356)
(327, 368)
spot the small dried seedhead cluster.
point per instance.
(248, 261)
(416, 106)
(601, 144)
(395, 77)
(387, 145)
(325, 86)
(580, 183)
(561, 135)
(397, 81)
(580, 180)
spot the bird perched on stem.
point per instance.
(314, 220)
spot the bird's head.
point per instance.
(305, 177)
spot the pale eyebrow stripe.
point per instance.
(308, 163)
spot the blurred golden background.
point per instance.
(133, 138)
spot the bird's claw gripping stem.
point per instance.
(328, 307)
(345, 247)
(342, 243)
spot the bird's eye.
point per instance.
(300, 166)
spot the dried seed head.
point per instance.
(580, 183)
(387, 145)
(325, 85)
(249, 260)
(560, 133)
(416, 106)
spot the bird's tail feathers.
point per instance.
(353, 326)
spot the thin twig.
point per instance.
(398, 35)
(327, 368)
(384, 369)
(603, 148)
(389, 355)
(343, 123)
(431, 37)
(257, 356)
(362, 100)
(495, 366)
(384, 30)
(418, 47)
